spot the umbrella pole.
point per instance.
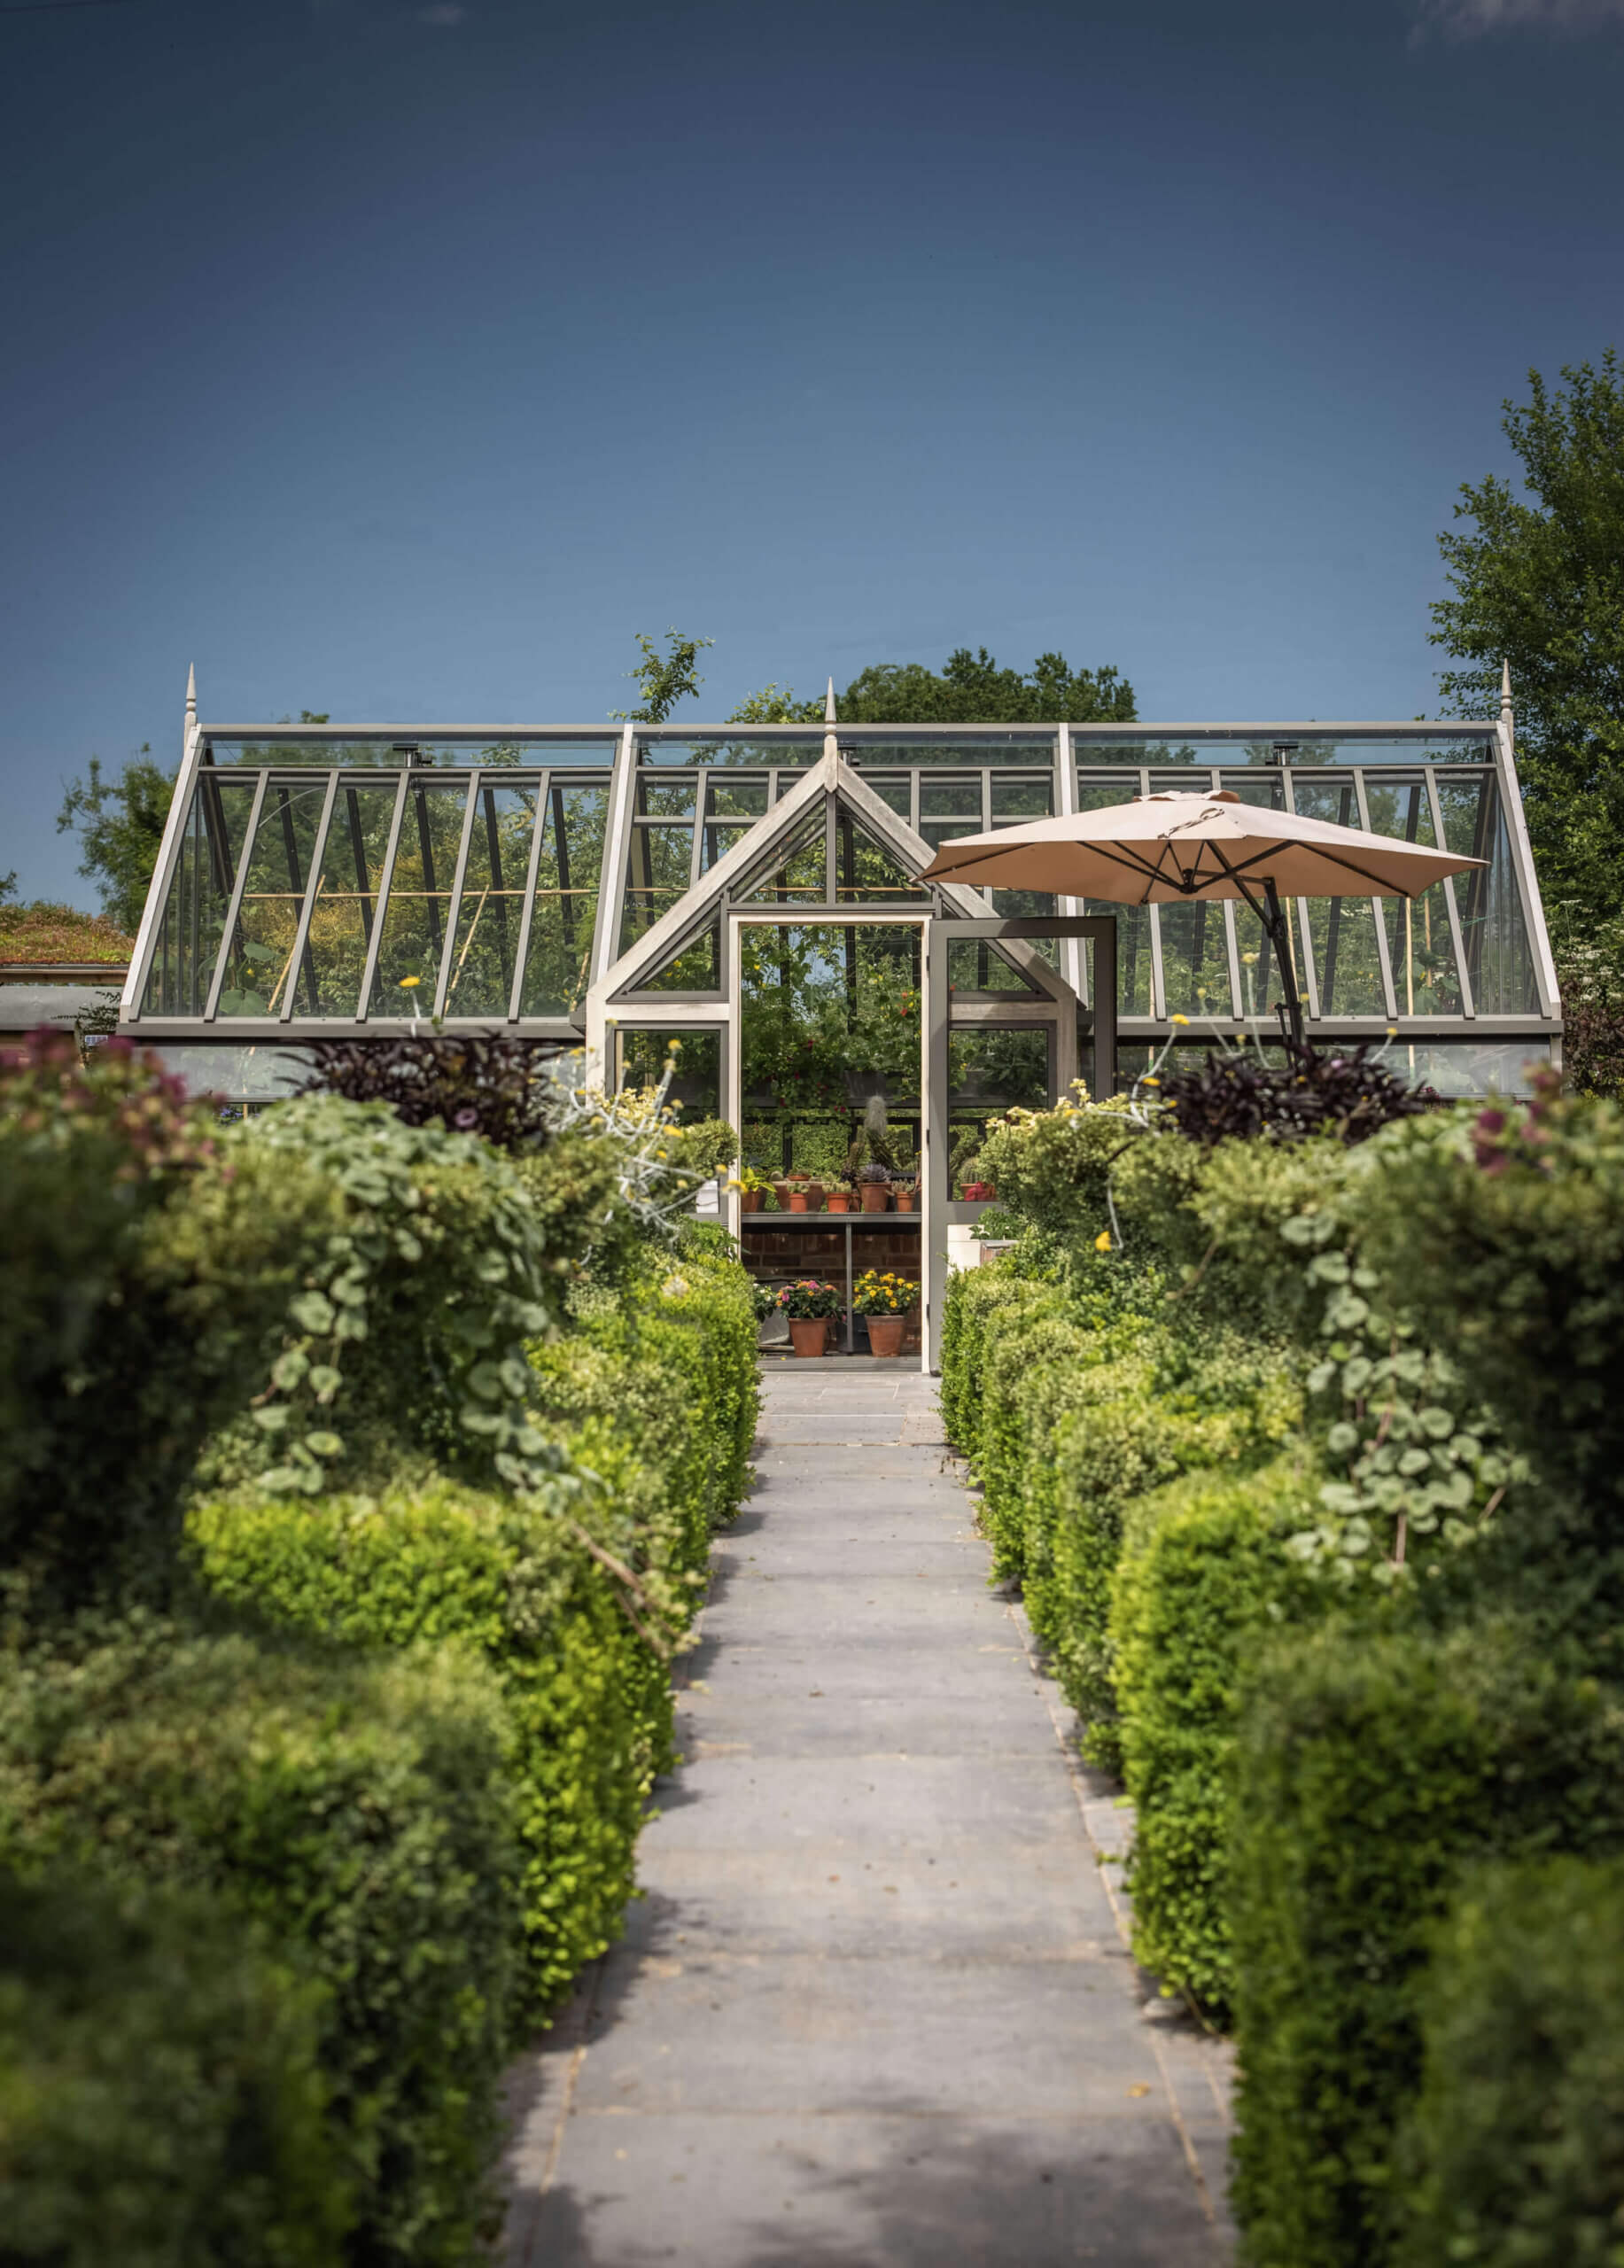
(1274, 920)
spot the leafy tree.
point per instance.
(119, 822)
(1539, 581)
(970, 689)
(667, 677)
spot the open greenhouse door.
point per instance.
(967, 1019)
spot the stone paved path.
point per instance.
(875, 2006)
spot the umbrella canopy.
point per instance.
(1159, 848)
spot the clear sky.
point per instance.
(401, 360)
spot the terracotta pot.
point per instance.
(906, 1201)
(801, 1200)
(839, 1201)
(780, 1190)
(811, 1337)
(749, 1200)
(874, 1196)
(886, 1333)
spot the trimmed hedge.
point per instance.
(162, 2104)
(356, 1813)
(1202, 1581)
(513, 1579)
(1373, 1768)
(1517, 2152)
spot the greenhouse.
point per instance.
(752, 893)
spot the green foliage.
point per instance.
(664, 678)
(119, 822)
(142, 1288)
(513, 1579)
(1540, 582)
(410, 1324)
(972, 689)
(1202, 1581)
(161, 2101)
(1518, 2155)
(1506, 1234)
(1055, 1167)
(1371, 1769)
(43, 931)
(355, 1815)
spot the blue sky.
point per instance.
(402, 359)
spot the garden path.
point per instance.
(875, 2006)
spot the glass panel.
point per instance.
(726, 750)
(1035, 750)
(418, 906)
(867, 870)
(800, 871)
(187, 943)
(345, 903)
(697, 1083)
(728, 798)
(1494, 928)
(662, 798)
(259, 965)
(567, 876)
(1272, 747)
(897, 794)
(382, 751)
(697, 967)
(1013, 800)
(955, 799)
(978, 967)
(1469, 1067)
(1425, 982)
(492, 904)
(244, 1076)
(661, 858)
(715, 841)
(1347, 963)
(1195, 958)
(989, 1072)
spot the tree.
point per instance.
(1539, 582)
(119, 822)
(970, 689)
(665, 678)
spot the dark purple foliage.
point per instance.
(1339, 1090)
(475, 1082)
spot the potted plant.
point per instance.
(841, 1197)
(875, 1182)
(810, 1306)
(884, 1301)
(752, 1188)
(805, 1192)
(906, 1193)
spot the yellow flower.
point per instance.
(1102, 1242)
(1178, 1020)
(407, 983)
(1148, 1081)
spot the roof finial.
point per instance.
(828, 704)
(1506, 688)
(192, 706)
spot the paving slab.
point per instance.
(875, 2004)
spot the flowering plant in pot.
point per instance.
(884, 1301)
(841, 1196)
(874, 1181)
(811, 1305)
(752, 1188)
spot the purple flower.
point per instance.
(466, 1119)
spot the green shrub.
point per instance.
(409, 1333)
(974, 1295)
(1370, 1767)
(514, 1578)
(1168, 1408)
(1517, 2154)
(358, 1814)
(161, 2101)
(1202, 1580)
(143, 1290)
(1505, 1237)
(1053, 1167)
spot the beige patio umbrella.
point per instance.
(1159, 848)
